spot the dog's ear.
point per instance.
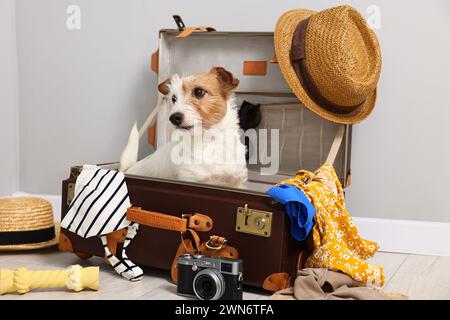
(225, 77)
(163, 87)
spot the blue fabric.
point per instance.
(298, 207)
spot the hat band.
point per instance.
(27, 237)
(298, 60)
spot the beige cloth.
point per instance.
(324, 284)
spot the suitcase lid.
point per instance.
(305, 138)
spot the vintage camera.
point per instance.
(209, 278)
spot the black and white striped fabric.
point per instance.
(125, 267)
(98, 208)
(100, 203)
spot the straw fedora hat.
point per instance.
(331, 60)
(26, 223)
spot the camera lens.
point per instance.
(209, 284)
(206, 288)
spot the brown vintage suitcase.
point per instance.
(264, 244)
(262, 255)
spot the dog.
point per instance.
(200, 105)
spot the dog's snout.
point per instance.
(176, 118)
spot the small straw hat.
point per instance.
(27, 223)
(331, 60)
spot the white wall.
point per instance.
(9, 119)
(80, 91)
(400, 167)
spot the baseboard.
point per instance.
(401, 236)
(407, 236)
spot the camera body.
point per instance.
(209, 278)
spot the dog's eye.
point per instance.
(174, 98)
(198, 93)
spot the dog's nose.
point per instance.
(176, 118)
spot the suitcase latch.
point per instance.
(254, 221)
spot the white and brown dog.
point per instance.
(203, 111)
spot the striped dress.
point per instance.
(98, 208)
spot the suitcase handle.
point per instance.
(189, 30)
(196, 221)
(188, 223)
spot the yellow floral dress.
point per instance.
(337, 243)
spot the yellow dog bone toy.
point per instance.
(22, 280)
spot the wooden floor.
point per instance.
(419, 277)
